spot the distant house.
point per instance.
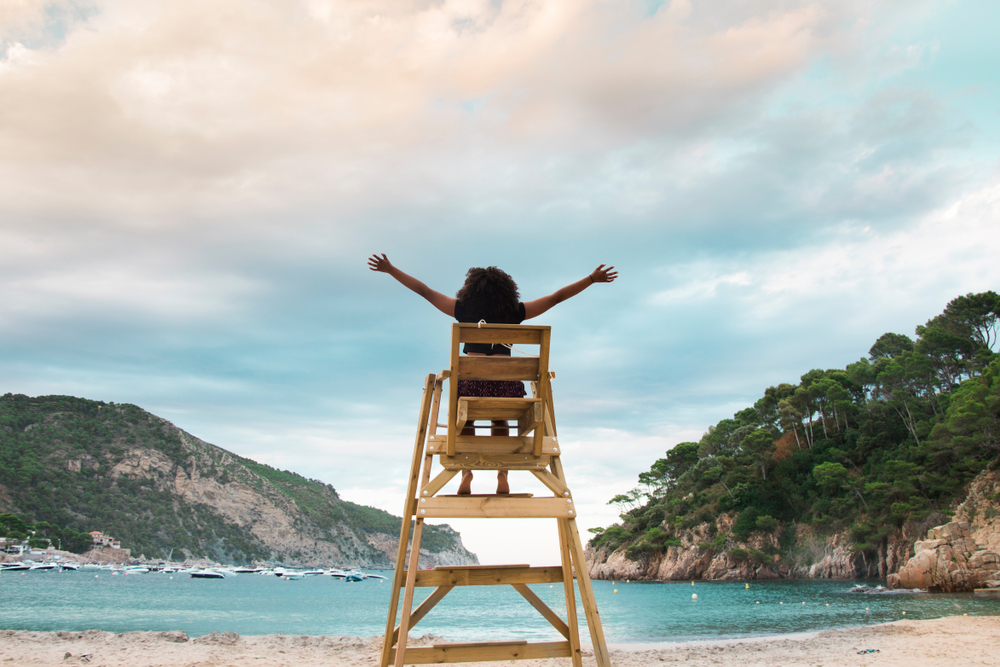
(102, 540)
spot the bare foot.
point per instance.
(465, 488)
(502, 487)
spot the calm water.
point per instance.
(638, 613)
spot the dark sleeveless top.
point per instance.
(463, 314)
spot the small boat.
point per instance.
(247, 570)
(374, 576)
(14, 567)
(69, 566)
(47, 567)
(136, 569)
(293, 576)
(208, 574)
(311, 573)
(355, 576)
(335, 573)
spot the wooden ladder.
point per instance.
(534, 447)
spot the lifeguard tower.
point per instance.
(532, 446)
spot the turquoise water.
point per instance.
(639, 613)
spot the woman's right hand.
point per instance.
(376, 263)
(602, 275)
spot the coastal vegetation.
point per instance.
(892, 438)
(71, 465)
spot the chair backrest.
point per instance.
(532, 369)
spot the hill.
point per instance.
(79, 465)
(836, 475)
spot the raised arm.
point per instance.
(445, 304)
(539, 306)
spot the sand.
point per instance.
(958, 640)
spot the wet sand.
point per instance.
(958, 640)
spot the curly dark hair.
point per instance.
(490, 294)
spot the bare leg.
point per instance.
(465, 488)
(500, 428)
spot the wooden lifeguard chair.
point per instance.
(532, 446)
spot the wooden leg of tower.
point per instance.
(411, 580)
(408, 508)
(567, 569)
(587, 595)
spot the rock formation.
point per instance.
(948, 561)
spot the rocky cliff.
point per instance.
(167, 494)
(961, 560)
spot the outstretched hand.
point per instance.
(376, 263)
(603, 275)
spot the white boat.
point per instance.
(69, 566)
(14, 567)
(47, 567)
(335, 573)
(293, 576)
(311, 573)
(136, 569)
(208, 574)
(247, 570)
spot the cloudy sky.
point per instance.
(189, 189)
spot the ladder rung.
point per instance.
(493, 507)
(487, 576)
(484, 652)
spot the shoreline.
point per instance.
(966, 640)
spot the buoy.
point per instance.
(616, 591)
(781, 603)
(904, 613)
(612, 583)
(171, 578)
(803, 603)
(628, 581)
(748, 586)
(550, 585)
(758, 601)
(694, 596)
(964, 614)
(692, 583)
(866, 609)
(95, 576)
(827, 604)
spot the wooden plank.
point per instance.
(498, 507)
(486, 652)
(488, 576)
(523, 335)
(452, 568)
(543, 609)
(497, 368)
(493, 444)
(571, 620)
(437, 483)
(436, 596)
(411, 572)
(453, 391)
(404, 532)
(531, 420)
(494, 462)
(461, 414)
(551, 481)
(587, 595)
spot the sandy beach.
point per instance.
(958, 640)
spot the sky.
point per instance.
(189, 190)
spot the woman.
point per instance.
(490, 294)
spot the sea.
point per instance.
(632, 612)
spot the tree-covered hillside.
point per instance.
(890, 438)
(80, 465)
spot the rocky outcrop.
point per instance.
(948, 561)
